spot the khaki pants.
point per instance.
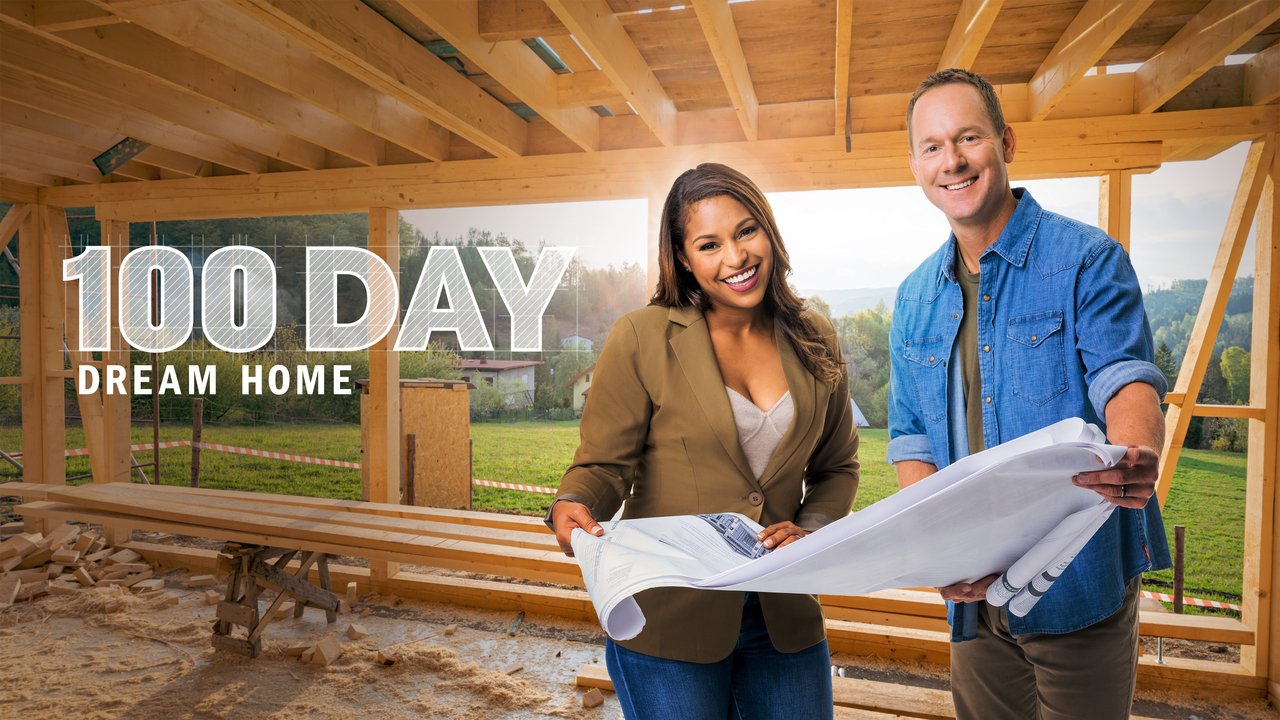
(1085, 674)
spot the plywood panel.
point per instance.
(439, 419)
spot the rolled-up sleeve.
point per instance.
(907, 437)
(1112, 333)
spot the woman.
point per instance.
(723, 395)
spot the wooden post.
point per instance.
(91, 420)
(656, 200)
(1179, 548)
(1205, 331)
(1260, 608)
(116, 408)
(382, 452)
(410, 463)
(1115, 193)
(197, 428)
(41, 318)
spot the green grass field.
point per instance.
(1207, 495)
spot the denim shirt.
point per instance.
(1061, 329)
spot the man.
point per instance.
(1023, 318)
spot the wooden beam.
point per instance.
(132, 47)
(512, 63)
(91, 415)
(36, 161)
(843, 52)
(1259, 605)
(70, 131)
(116, 410)
(718, 28)
(1115, 204)
(382, 448)
(969, 32)
(15, 191)
(1096, 28)
(1205, 331)
(71, 151)
(16, 177)
(238, 41)
(1262, 77)
(1216, 32)
(85, 76)
(69, 14)
(501, 20)
(40, 316)
(600, 33)
(109, 115)
(356, 39)
(586, 89)
(12, 220)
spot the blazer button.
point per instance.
(755, 499)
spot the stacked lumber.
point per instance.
(66, 560)
(457, 540)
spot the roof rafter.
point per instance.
(107, 114)
(134, 47)
(12, 136)
(71, 131)
(1262, 77)
(1217, 31)
(969, 32)
(516, 67)
(354, 38)
(1097, 27)
(52, 61)
(517, 20)
(226, 35)
(844, 49)
(600, 33)
(716, 20)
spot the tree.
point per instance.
(1166, 363)
(1235, 368)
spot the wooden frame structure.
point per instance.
(273, 107)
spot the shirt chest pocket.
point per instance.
(1034, 361)
(926, 360)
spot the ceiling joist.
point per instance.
(1093, 32)
(969, 32)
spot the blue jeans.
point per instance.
(755, 681)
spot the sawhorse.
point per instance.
(254, 565)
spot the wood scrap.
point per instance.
(385, 657)
(29, 591)
(196, 581)
(8, 591)
(145, 585)
(513, 668)
(66, 556)
(326, 651)
(592, 698)
(212, 597)
(35, 559)
(355, 632)
(141, 577)
(123, 556)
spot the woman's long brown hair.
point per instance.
(677, 287)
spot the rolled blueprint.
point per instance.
(1028, 579)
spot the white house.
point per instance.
(581, 384)
(515, 377)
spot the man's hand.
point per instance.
(567, 515)
(967, 591)
(1130, 482)
(780, 534)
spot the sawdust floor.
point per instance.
(103, 653)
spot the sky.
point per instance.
(850, 239)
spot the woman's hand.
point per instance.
(780, 534)
(567, 515)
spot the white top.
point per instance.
(760, 432)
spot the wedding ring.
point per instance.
(1124, 491)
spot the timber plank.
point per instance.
(486, 562)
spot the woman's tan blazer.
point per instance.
(658, 431)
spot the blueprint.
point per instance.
(1011, 510)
